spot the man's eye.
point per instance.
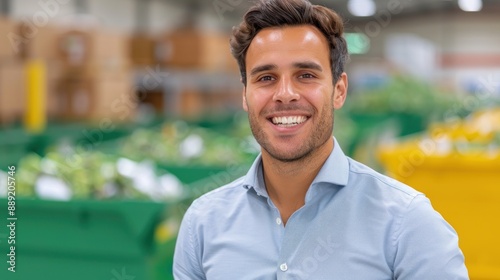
(307, 76)
(266, 78)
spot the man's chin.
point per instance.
(288, 156)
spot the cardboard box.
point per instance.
(74, 99)
(92, 54)
(155, 99)
(12, 92)
(193, 49)
(9, 32)
(223, 100)
(13, 87)
(94, 47)
(106, 44)
(90, 70)
(54, 77)
(142, 50)
(114, 99)
(40, 42)
(192, 103)
(102, 97)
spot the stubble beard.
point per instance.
(320, 135)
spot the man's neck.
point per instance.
(287, 182)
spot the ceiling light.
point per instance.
(470, 5)
(361, 8)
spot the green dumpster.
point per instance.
(81, 240)
(14, 144)
(373, 123)
(199, 179)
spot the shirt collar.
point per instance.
(254, 177)
(335, 171)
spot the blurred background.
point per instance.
(116, 114)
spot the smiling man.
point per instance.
(305, 210)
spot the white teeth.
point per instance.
(289, 121)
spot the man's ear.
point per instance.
(340, 91)
(245, 105)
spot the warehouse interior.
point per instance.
(116, 114)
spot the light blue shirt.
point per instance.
(355, 224)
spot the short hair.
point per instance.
(278, 13)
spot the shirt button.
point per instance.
(278, 221)
(283, 267)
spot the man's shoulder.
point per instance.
(220, 196)
(372, 180)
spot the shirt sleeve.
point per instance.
(427, 246)
(187, 255)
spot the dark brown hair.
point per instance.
(276, 13)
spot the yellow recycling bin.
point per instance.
(462, 180)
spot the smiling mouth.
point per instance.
(288, 121)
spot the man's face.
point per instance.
(290, 95)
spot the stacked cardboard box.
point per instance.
(12, 91)
(11, 74)
(195, 50)
(142, 50)
(192, 103)
(204, 54)
(40, 43)
(197, 100)
(224, 100)
(97, 98)
(184, 49)
(27, 43)
(9, 31)
(98, 80)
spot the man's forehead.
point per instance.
(300, 33)
(288, 46)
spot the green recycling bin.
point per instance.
(198, 179)
(81, 240)
(14, 144)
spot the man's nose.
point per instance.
(285, 91)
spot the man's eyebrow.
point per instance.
(308, 65)
(300, 65)
(262, 68)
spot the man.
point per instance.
(305, 210)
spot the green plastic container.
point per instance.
(199, 179)
(14, 144)
(82, 240)
(374, 123)
(189, 174)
